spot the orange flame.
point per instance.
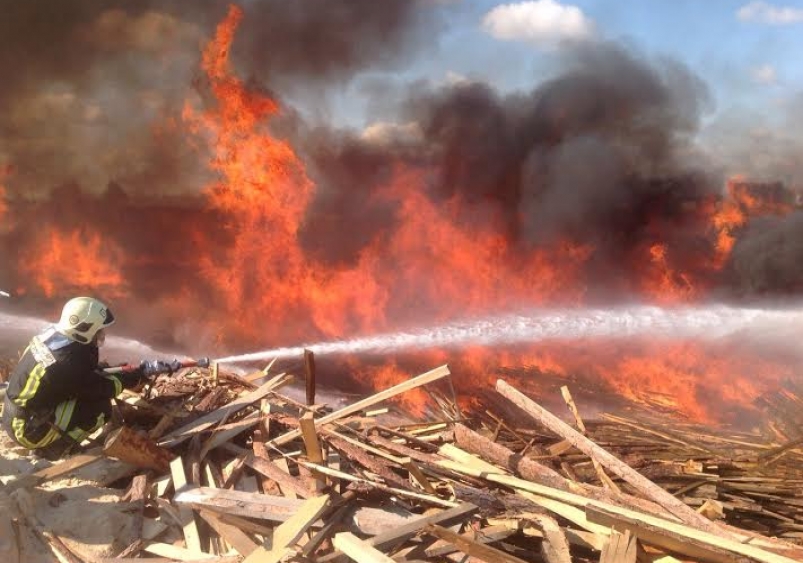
(735, 211)
(430, 262)
(665, 285)
(438, 260)
(4, 171)
(429, 259)
(76, 262)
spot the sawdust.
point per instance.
(90, 520)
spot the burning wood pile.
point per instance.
(220, 468)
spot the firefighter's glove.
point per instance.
(154, 367)
(132, 378)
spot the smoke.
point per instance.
(321, 41)
(602, 154)
(84, 87)
(93, 90)
(599, 154)
(768, 258)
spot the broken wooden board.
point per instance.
(191, 535)
(423, 379)
(238, 503)
(55, 471)
(359, 550)
(472, 547)
(199, 425)
(289, 532)
(680, 538)
(607, 460)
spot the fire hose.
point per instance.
(157, 367)
(148, 368)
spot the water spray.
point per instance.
(708, 322)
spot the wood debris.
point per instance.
(223, 468)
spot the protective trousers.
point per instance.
(72, 421)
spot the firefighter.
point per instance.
(58, 394)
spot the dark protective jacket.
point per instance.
(53, 375)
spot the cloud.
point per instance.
(542, 22)
(388, 133)
(762, 12)
(764, 74)
(455, 78)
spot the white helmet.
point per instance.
(82, 318)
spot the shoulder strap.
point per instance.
(44, 345)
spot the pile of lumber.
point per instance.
(223, 468)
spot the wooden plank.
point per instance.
(390, 539)
(162, 484)
(209, 559)
(573, 514)
(288, 533)
(461, 456)
(217, 544)
(290, 486)
(555, 546)
(680, 538)
(507, 459)
(313, 449)
(603, 477)
(310, 436)
(235, 537)
(191, 535)
(587, 503)
(282, 464)
(263, 373)
(387, 541)
(423, 379)
(358, 550)
(55, 471)
(225, 433)
(376, 465)
(137, 495)
(129, 446)
(214, 371)
(419, 477)
(309, 376)
(559, 448)
(471, 547)
(489, 534)
(401, 492)
(646, 429)
(249, 505)
(176, 553)
(621, 548)
(531, 470)
(363, 446)
(332, 521)
(199, 425)
(607, 460)
(259, 451)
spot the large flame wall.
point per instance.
(280, 229)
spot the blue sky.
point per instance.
(745, 59)
(746, 52)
